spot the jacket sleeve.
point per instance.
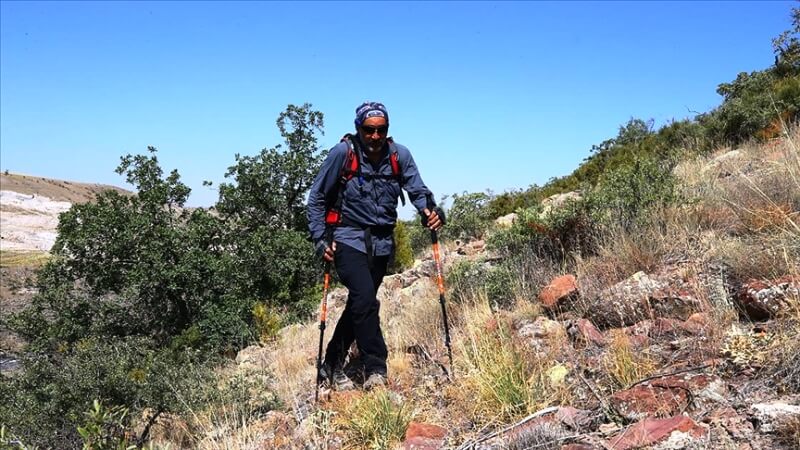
(325, 183)
(412, 182)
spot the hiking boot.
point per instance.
(375, 380)
(341, 382)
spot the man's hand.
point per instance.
(434, 222)
(325, 251)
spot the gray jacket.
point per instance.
(369, 202)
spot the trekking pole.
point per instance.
(440, 282)
(323, 313)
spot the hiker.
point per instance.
(352, 210)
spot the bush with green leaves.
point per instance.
(472, 280)
(468, 217)
(47, 401)
(137, 281)
(403, 252)
(631, 194)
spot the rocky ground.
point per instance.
(701, 386)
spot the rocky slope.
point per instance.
(29, 209)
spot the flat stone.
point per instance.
(769, 415)
(673, 432)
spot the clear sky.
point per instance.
(486, 95)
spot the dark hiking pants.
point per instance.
(359, 321)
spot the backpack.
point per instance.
(352, 168)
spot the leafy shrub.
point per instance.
(104, 428)
(419, 237)
(629, 195)
(403, 253)
(466, 280)
(266, 321)
(46, 402)
(468, 217)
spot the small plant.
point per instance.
(404, 254)
(105, 428)
(502, 382)
(375, 421)
(267, 321)
(624, 365)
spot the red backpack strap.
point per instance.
(394, 160)
(350, 168)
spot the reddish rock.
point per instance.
(737, 426)
(679, 429)
(696, 323)
(666, 327)
(585, 331)
(424, 436)
(644, 401)
(639, 340)
(762, 300)
(666, 293)
(579, 447)
(670, 395)
(558, 291)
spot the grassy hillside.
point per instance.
(58, 190)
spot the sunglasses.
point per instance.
(371, 130)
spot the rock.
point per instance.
(644, 401)
(471, 248)
(540, 334)
(542, 328)
(557, 201)
(550, 426)
(696, 323)
(424, 436)
(763, 300)
(583, 330)
(558, 291)
(254, 357)
(727, 418)
(666, 293)
(770, 415)
(274, 431)
(670, 396)
(670, 433)
(722, 165)
(422, 288)
(506, 221)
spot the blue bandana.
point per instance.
(370, 109)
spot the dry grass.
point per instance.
(374, 421)
(751, 199)
(9, 259)
(59, 190)
(625, 365)
(788, 432)
(293, 363)
(499, 379)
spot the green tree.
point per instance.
(268, 189)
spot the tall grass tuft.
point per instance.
(623, 364)
(501, 381)
(375, 421)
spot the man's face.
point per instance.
(373, 132)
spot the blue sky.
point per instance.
(486, 95)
